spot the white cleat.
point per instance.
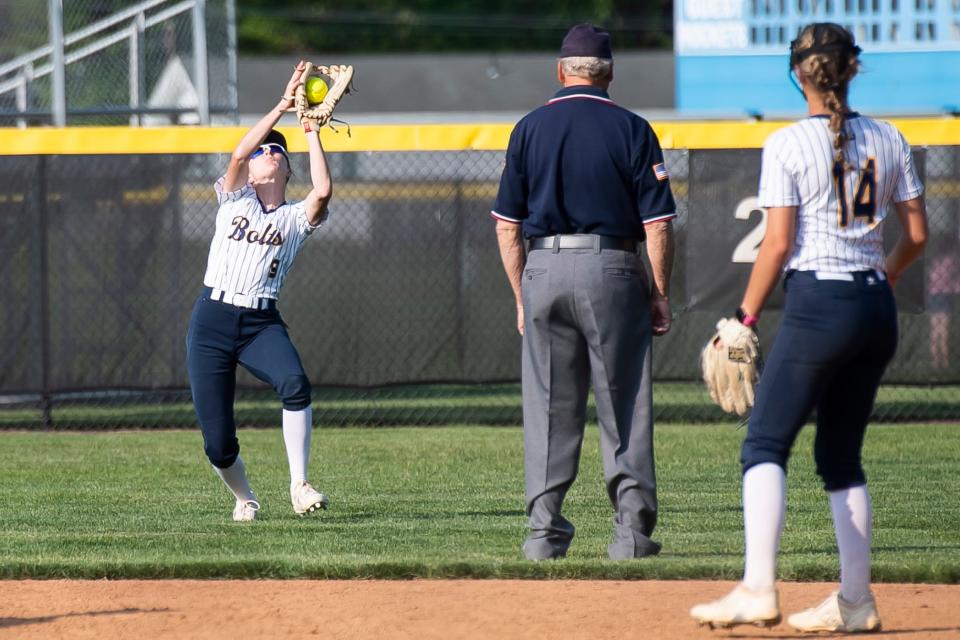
(836, 614)
(306, 499)
(245, 510)
(740, 606)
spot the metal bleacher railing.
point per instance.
(126, 66)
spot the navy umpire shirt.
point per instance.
(583, 164)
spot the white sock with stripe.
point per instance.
(764, 508)
(852, 521)
(235, 477)
(297, 432)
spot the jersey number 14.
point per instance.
(864, 204)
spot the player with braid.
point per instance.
(827, 182)
(235, 320)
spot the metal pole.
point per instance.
(201, 79)
(22, 101)
(43, 195)
(23, 93)
(135, 72)
(58, 104)
(459, 213)
(232, 97)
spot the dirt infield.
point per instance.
(468, 609)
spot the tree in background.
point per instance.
(23, 26)
(444, 25)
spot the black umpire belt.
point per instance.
(583, 241)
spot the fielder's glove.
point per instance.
(339, 78)
(731, 363)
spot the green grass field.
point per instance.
(441, 502)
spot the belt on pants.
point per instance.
(850, 276)
(239, 299)
(583, 241)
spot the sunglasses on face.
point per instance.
(270, 148)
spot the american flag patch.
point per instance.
(660, 171)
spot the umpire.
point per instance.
(585, 184)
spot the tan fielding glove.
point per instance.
(339, 79)
(731, 363)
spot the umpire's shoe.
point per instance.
(245, 510)
(538, 549)
(631, 544)
(837, 614)
(740, 606)
(306, 499)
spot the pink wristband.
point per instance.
(745, 319)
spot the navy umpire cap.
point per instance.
(586, 40)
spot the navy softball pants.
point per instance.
(833, 346)
(220, 337)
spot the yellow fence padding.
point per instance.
(415, 137)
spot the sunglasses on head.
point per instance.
(270, 148)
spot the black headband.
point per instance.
(796, 57)
(842, 46)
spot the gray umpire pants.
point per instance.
(587, 313)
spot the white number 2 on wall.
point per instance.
(748, 248)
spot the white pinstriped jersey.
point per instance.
(252, 250)
(838, 221)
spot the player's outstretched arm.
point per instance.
(913, 219)
(236, 175)
(315, 204)
(774, 252)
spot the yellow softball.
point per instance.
(316, 89)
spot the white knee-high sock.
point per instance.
(852, 520)
(297, 432)
(235, 477)
(764, 507)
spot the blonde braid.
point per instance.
(823, 72)
(827, 84)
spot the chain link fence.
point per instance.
(398, 305)
(136, 70)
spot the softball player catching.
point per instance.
(235, 320)
(826, 182)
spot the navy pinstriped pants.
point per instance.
(220, 337)
(832, 348)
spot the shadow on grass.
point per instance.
(735, 555)
(365, 517)
(830, 551)
(926, 547)
(711, 509)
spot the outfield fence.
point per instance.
(398, 305)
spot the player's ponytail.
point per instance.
(829, 59)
